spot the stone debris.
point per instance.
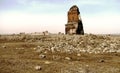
(87, 65)
(34, 48)
(67, 58)
(20, 48)
(58, 47)
(38, 68)
(56, 57)
(4, 47)
(47, 62)
(78, 54)
(88, 43)
(42, 56)
(102, 60)
(53, 49)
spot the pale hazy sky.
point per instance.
(99, 16)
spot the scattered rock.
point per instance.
(87, 65)
(45, 52)
(47, 62)
(55, 57)
(4, 46)
(34, 48)
(78, 54)
(38, 68)
(101, 61)
(87, 43)
(67, 58)
(53, 49)
(118, 51)
(42, 56)
(20, 48)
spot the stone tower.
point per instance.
(74, 24)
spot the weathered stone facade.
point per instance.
(74, 24)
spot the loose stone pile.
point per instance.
(87, 43)
(80, 43)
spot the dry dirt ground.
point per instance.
(59, 54)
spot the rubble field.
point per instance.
(54, 53)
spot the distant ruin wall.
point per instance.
(74, 24)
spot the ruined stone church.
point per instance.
(74, 24)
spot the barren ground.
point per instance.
(59, 54)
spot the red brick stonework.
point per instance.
(74, 24)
